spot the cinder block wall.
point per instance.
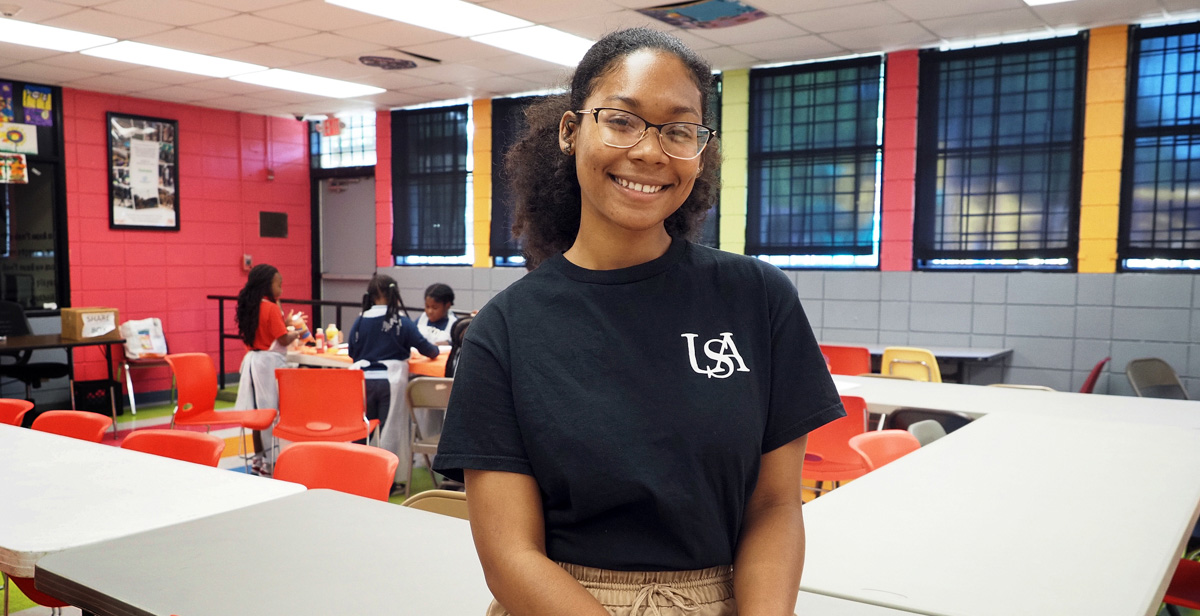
(1058, 325)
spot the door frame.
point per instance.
(315, 178)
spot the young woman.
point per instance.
(631, 416)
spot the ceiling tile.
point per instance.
(453, 50)
(254, 29)
(44, 73)
(329, 44)
(784, 7)
(394, 80)
(986, 24)
(1180, 8)
(107, 24)
(694, 42)
(335, 69)
(84, 2)
(597, 26)
(882, 38)
(545, 11)
(269, 55)
(186, 39)
(639, 4)
(238, 103)
(180, 94)
(754, 32)
(500, 85)
(174, 12)
(20, 53)
(438, 92)
(934, 9)
(847, 18)
(226, 86)
(275, 95)
(511, 64)
(395, 34)
(161, 75)
(319, 15)
(725, 58)
(799, 48)
(1100, 12)
(42, 10)
(245, 5)
(87, 63)
(113, 83)
(450, 73)
(552, 79)
(392, 99)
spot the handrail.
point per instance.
(222, 335)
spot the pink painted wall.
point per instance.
(899, 162)
(224, 158)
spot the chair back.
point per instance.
(927, 431)
(195, 383)
(427, 393)
(902, 419)
(445, 502)
(912, 362)
(847, 360)
(832, 440)
(458, 331)
(884, 446)
(325, 405)
(82, 425)
(345, 467)
(196, 447)
(1090, 384)
(13, 321)
(1152, 377)
(12, 411)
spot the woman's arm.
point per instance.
(770, 553)
(510, 536)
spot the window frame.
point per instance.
(416, 255)
(508, 252)
(928, 156)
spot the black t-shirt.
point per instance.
(640, 399)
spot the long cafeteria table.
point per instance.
(962, 358)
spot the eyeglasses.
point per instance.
(625, 129)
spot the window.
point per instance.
(814, 162)
(998, 156)
(508, 123)
(343, 141)
(33, 253)
(431, 185)
(1160, 188)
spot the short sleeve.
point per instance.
(803, 396)
(481, 431)
(270, 321)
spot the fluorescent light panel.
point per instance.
(172, 59)
(47, 37)
(1041, 2)
(539, 42)
(308, 84)
(450, 16)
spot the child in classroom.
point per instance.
(436, 321)
(381, 333)
(264, 330)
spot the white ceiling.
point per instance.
(311, 36)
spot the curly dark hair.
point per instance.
(384, 287)
(547, 194)
(258, 286)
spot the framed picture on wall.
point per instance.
(143, 172)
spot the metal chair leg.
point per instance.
(129, 386)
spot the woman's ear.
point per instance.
(567, 131)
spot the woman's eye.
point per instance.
(621, 122)
(681, 133)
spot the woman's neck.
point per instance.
(606, 248)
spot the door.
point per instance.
(347, 207)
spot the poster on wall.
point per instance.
(13, 169)
(143, 173)
(18, 138)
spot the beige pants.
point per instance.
(704, 592)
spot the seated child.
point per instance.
(435, 323)
(380, 333)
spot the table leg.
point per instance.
(112, 394)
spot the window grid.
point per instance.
(508, 123)
(353, 146)
(813, 159)
(996, 177)
(1160, 191)
(429, 181)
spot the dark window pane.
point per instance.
(429, 181)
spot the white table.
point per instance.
(61, 493)
(886, 395)
(1013, 514)
(961, 357)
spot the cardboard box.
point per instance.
(82, 323)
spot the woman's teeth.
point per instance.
(646, 188)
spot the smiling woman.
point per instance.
(630, 418)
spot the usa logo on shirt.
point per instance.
(723, 353)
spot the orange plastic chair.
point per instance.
(12, 411)
(196, 388)
(847, 360)
(32, 593)
(829, 456)
(884, 446)
(345, 467)
(82, 425)
(196, 447)
(1184, 589)
(322, 405)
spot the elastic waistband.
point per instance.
(662, 588)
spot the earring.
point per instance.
(569, 149)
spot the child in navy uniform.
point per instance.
(381, 333)
(435, 323)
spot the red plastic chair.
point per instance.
(33, 594)
(829, 456)
(1184, 589)
(847, 360)
(82, 425)
(196, 447)
(345, 467)
(196, 387)
(1093, 376)
(12, 411)
(884, 446)
(322, 405)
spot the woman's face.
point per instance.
(658, 87)
(277, 287)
